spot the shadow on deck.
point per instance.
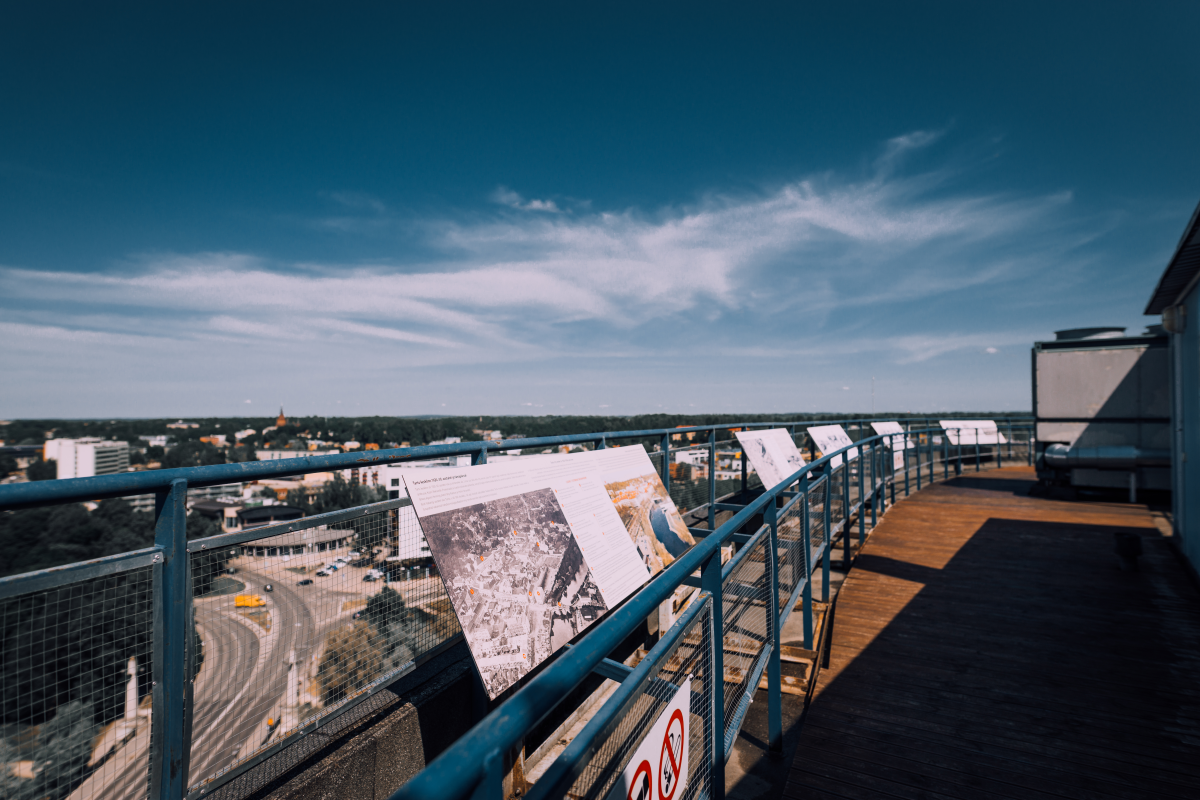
(987, 644)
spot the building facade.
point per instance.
(1177, 299)
(85, 458)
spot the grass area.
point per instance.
(350, 605)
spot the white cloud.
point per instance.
(820, 268)
(507, 197)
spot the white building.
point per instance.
(84, 458)
(277, 455)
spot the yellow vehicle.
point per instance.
(248, 601)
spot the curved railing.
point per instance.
(182, 734)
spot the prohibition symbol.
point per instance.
(670, 761)
(640, 788)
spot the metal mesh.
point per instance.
(75, 696)
(745, 597)
(689, 656)
(816, 512)
(297, 624)
(689, 477)
(792, 567)
(837, 502)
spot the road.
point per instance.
(243, 678)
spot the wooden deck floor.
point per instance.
(986, 644)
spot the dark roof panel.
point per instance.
(1181, 269)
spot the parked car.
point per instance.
(354, 554)
(231, 570)
(306, 581)
(369, 577)
(324, 573)
(268, 588)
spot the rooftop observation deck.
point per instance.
(987, 643)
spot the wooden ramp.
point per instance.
(987, 644)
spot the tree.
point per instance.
(8, 464)
(60, 756)
(193, 454)
(353, 658)
(42, 470)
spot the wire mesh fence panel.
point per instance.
(745, 594)
(687, 662)
(76, 690)
(689, 477)
(792, 566)
(837, 502)
(295, 625)
(816, 513)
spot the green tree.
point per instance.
(193, 454)
(60, 756)
(42, 470)
(354, 656)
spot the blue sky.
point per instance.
(553, 208)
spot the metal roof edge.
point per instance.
(1158, 298)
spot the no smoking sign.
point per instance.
(658, 769)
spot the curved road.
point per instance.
(243, 678)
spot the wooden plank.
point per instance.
(986, 645)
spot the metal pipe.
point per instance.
(1110, 457)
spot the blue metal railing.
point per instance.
(471, 762)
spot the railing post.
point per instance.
(1008, 424)
(712, 479)
(999, 457)
(917, 458)
(710, 581)
(931, 460)
(977, 450)
(958, 458)
(1029, 447)
(874, 487)
(945, 458)
(743, 460)
(666, 469)
(774, 673)
(862, 497)
(906, 448)
(845, 515)
(806, 536)
(171, 720)
(480, 457)
(827, 519)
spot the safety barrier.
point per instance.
(143, 675)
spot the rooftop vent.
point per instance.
(1089, 333)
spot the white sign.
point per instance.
(831, 438)
(965, 431)
(899, 443)
(772, 453)
(529, 560)
(659, 767)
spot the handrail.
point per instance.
(39, 493)
(475, 756)
(456, 772)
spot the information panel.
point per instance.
(772, 453)
(530, 555)
(964, 431)
(899, 443)
(830, 438)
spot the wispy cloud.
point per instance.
(507, 197)
(823, 264)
